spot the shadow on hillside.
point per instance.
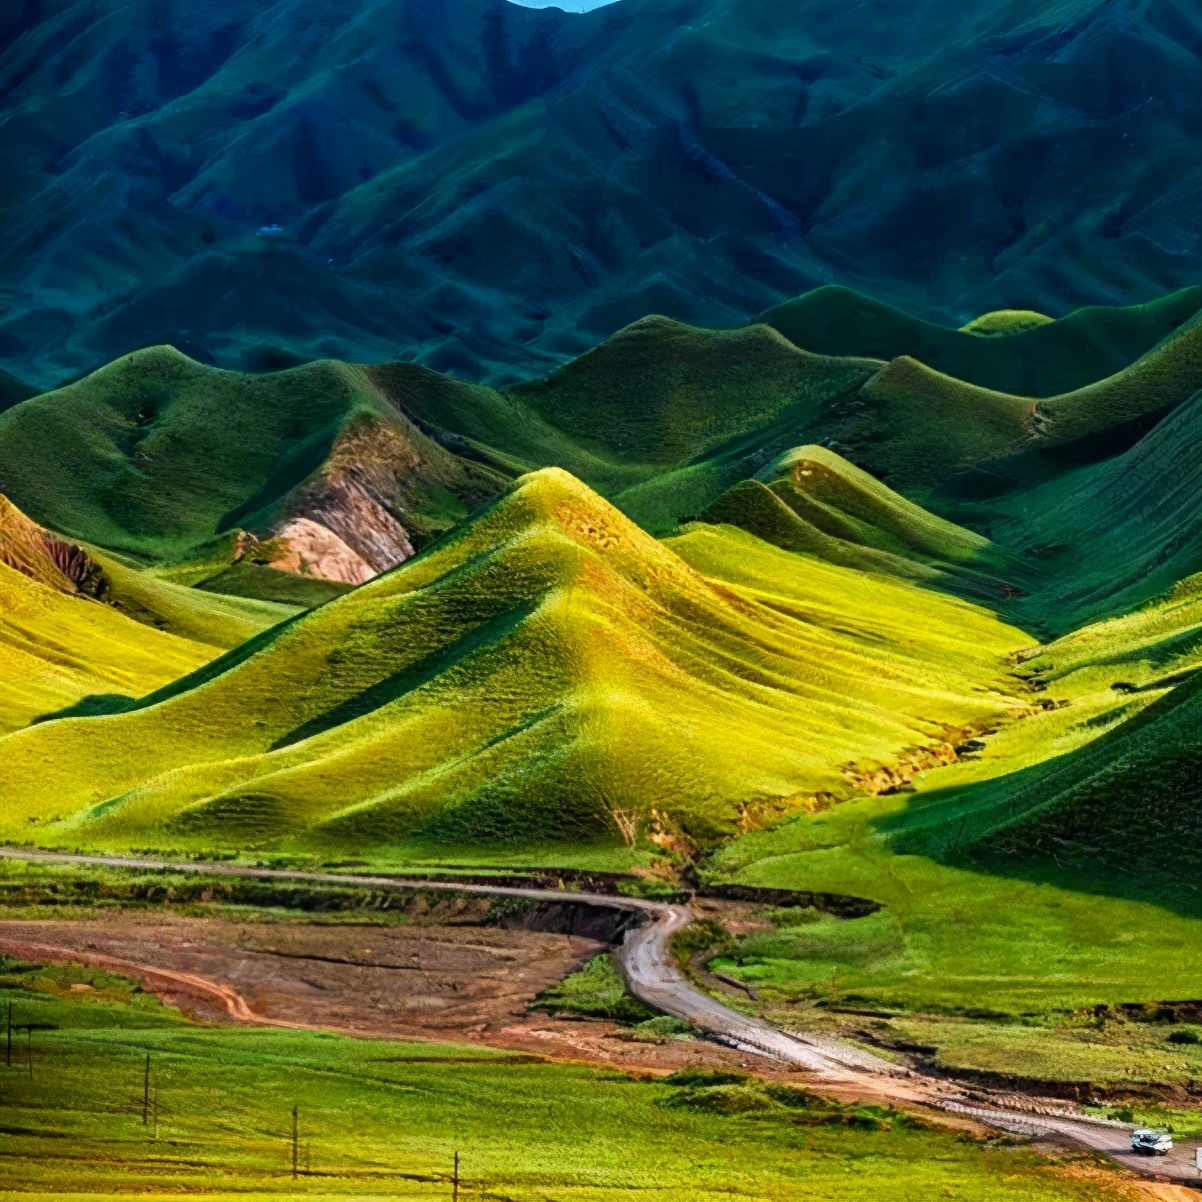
(1121, 816)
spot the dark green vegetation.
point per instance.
(384, 1119)
(1025, 356)
(494, 189)
(595, 991)
(157, 456)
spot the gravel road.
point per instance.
(655, 978)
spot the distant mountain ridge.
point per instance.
(493, 189)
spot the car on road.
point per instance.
(1151, 1143)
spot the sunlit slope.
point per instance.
(1053, 865)
(814, 501)
(1106, 776)
(1034, 357)
(76, 570)
(214, 618)
(57, 649)
(155, 454)
(548, 671)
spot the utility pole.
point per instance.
(455, 1181)
(146, 1093)
(294, 1143)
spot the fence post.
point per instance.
(146, 1093)
(294, 1143)
(455, 1181)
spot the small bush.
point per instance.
(783, 917)
(1185, 1036)
(660, 1029)
(699, 1077)
(722, 1099)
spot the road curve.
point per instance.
(645, 955)
(655, 978)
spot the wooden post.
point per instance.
(455, 1181)
(8, 1058)
(294, 1143)
(29, 1048)
(146, 1093)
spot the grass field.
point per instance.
(378, 1119)
(971, 920)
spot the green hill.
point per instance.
(546, 672)
(59, 645)
(1106, 776)
(1037, 357)
(813, 501)
(916, 428)
(1108, 536)
(155, 455)
(13, 390)
(664, 393)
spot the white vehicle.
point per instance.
(1151, 1143)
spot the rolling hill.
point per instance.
(811, 500)
(156, 456)
(493, 189)
(548, 671)
(1040, 358)
(59, 645)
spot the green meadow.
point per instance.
(381, 1119)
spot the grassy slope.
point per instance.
(547, 663)
(59, 648)
(13, 390)
(213, 618)
(380, 1117)
(915, 427)
(664, 393)
(1110, 535)
(154, 454)
(978, 914)
(1042, 359)
(1109, 781)
(813, 501)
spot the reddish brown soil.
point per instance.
(388, 981)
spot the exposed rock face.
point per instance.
(42, 556)
(306, 548)
(360, 513)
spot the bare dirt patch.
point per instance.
(454, 982)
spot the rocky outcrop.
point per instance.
(44, 557)
(306, 548)
(367, 507)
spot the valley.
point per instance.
(857, 674)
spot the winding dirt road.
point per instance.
(656, 979)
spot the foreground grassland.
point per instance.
(383, 1119)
